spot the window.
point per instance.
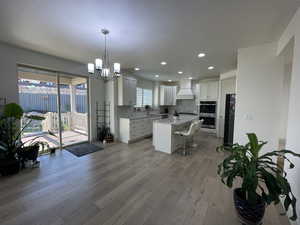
(143, 97)
(139, 97)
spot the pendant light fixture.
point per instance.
(102, 68)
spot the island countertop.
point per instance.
(164, 139)
(134, 117)
(179, 121)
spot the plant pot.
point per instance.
(31, 152)
(28, 153)
(52, 150)
(9, 166)
(248, 214)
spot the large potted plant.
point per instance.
(12, 150)
(9, 164)
(262, 181)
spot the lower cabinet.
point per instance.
(135, 129)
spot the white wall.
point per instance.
(227, 86)
(284, 99)
(227, 75)
(292, 33)
(111, 93)
(156, 94)
(259, 82)
(11, 56)
(97, 94)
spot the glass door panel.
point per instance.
(38, 96)
(74, 113)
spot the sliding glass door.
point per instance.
(74, 110)
(61, 99)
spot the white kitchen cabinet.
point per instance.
(213, 89)
(126, 91)
(168, 95)
(135, 129)
(196, 90)
(209, 90)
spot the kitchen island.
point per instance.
(136, 128)
(164, 139)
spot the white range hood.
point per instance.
(185, 89)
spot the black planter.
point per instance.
(28, 153)
(248, 214)
(9, 166)
(52, 150)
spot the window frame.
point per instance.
(143, 97)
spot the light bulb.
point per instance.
(91, 67)
(117, 68)
(98, 63)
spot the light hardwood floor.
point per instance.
(123, 185)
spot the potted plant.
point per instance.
(12, 150)
(262, 181)
(30, 152)
(175, 115)
(147, 109)
(9, 163)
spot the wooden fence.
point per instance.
(44, 99)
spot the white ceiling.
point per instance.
(146, 32)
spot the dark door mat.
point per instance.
(83, 149)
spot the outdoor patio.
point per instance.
(64, 108)
(68, 137)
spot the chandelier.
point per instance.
(102, 68)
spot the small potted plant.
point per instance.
(262, 181)
(30, 152)
(147, 109)
(175, 115)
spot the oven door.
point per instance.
(208, 108)
(208, 122)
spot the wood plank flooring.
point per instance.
(123, 185)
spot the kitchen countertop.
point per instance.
(144, 116)
(181, 120)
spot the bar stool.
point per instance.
(199, 123)
(188, 134)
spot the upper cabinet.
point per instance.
(168, 95)
(126, 91)
(209, 90)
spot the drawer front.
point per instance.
(140, 128)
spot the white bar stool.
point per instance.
(195, 125)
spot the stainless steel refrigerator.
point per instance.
(229, 119)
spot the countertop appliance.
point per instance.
(229, 119)
(208, 113)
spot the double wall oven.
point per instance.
(208, 113)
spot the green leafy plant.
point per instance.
(261, 177)
(10, 131)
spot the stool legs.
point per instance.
(184, 145)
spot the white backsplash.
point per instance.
(186, 105)
(129, 111)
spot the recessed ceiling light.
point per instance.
(201, 55)
(180, 72)
(169, 80)
(156, 75)
(163, 63)
(211, 67)
(136, 69)
(190, 78)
